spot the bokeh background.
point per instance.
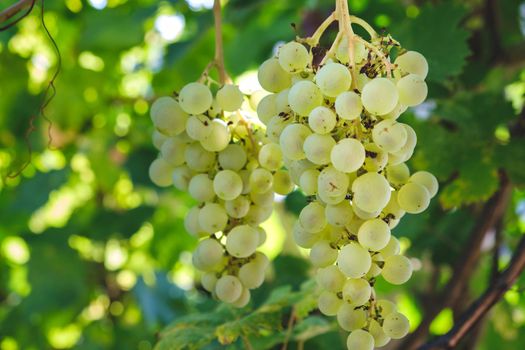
(94, 256)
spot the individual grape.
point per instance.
(233, 157)
(350, 318)
(209, 253)
(330, 200)
(282, 182)
(317, 148)
(275, 127)
(329, 303)
(364, 214)
(160, 173)
(228, 288)
(298, 167)
(312, 217)
(308, 181)
(333, 79)
(371, 192)
(357, 291)
(227, 184)
(396, 112)
(252, 275)
(261, 180)
(172, 151)
(261, 260)
(245, 176)
(199, 159)
(321, 120)
(412, 62)
(374, 234)
(267, 108)
(426, 179)
(158, 139)
(393, 212)
(353, 260)
(181, 177)
(258, 214)
(332, 183)
(339, 214)
(375, 270)
(376, 158)
(389, 135)
(323, 254)
(209, 281)
(348, 105)
(229, 98)
(198, 127)
(255, 98)
(408, 148)
(292, 141)
(191, 221)
(219, 137)
(355, 223)
(385, 307)
(413, 198)
(380, 338)
(392, 248)
(281, 102)
(348, 155)
(304, 96)
(238, 207)
(379, 96)
(168, 116)
(343, 54)
(360, 340)
(396, 325)
(397, 174)
(397, 269)
(271, 157)
(201, 188)
(212, 218)
(272, 76)
(242, 241)
(243, 300)
(261, 235)
(293, 57)
(362, 80)
(195, 98)
(331, 278)
(412, 90)
(262, 198)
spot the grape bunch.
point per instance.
(336, 125)
(209, 148)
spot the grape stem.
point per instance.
(219, 50)
(313, 40)
(379, 53)
(361, 22)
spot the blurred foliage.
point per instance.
(93, 256)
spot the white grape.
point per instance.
(323, 254)
(308, 181)
(160, 173)
(271, 156)
(312, 217)
(228, 288)
(357, 291)
(329, 303)
(360, 340)
(227, 184)
(293, 57)
(229, 98)
(412, 90)
(385, 307)
(267, 108)
(333, 79)
(389, 135)
(343, 54)
(261, 180)
(376, 158)
(340, 214)
(364, 214)
(348, 155)
(317, 148)
(213, 217)
(332, 183)
(262, 198)
(242, 241)
(350, 318)
(371, 192)
(380, 338)
(158, 139)
(209, 253)
(397, 269)
(304, 96)
(195, 98)
(172, 151)
(354, 260)
(396, 325)
(379, 96)
(427, 180)
(168, 116)
(397, 174)
(219, 137)
(392, 248)
(243, 300)
(198, 127)
(304, 238)
(282, 182)
(201, 188)
(413, 198)
(272, 76)
(261, 232)
(258, 214)
(233, 157)
(374, 234)
(199, 159)
(209, 281)
(238, 207)
(281, 101)
(413, 62)
(251, 275)
(396, 112)
(292, 141)
(321, 120)
(330, 278)
(275, 127)
(191, 221)
(348, 105)
(181, 177)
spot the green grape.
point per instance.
(304, 238)
(242, 241)
(376, 158)
(385, 307)
(357, 291)
(380, 338)
(397, 269)
(329, 303)
(360, 340)
(333, 183)
(263, 198)
(354, 260)
(198, 127)
(396, 325)
(199, 159)
(379, 96)
(158, 139)
(374, 234)
(272, 76)
(168, 116)
(275, 127)
(304, 96)
(258, 214)
(308, 181)
(375, 270)
(251, 275)
(389, 135)
(317, 148)
(293, 57)
(427, 180)
(348, 105)
(191, 221)
(271, 157)
(209, 281)
(321, 120)
(355, 223)
(201, 188)
(292, 141)
(261, 235)
(348, 155)
(267, 108)
(325, 199)
(412, 62)
(362, 80)
(209, 253)
(229, 98)
(255, 98)
(333, 79)
(297, 167)
(407, 150)
(219, 136)
(281, 102)
(412, 90)
(238, 207)
(396, 112)
(227, 184)
(243, 300)
(413, 198)
(312, 217)
(245, 176)
(330, 278)
(392, 213)
(392, 248)
(228, 288)
(160, 173)
(340, 214)
(343, 54)
(364, 214)
(213, 218)
(261, 260)
(195, 98)
(261, 180)
(282, 182)
(371, 192)
(350, 318)
(323, 254)
(233, 157)
(397, 174)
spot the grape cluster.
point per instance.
(210, 149)
(336, 125)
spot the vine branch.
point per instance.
(13, 10)
(219, 50)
